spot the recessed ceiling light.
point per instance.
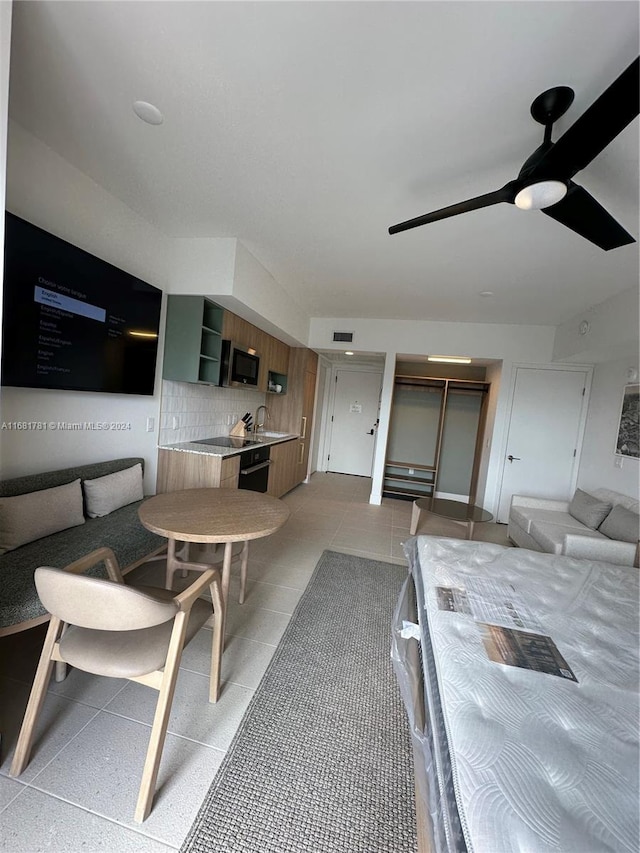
(486, 293)
(348, 352)
(450, 359)
(147, 112)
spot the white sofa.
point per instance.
(541, 524)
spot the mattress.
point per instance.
(534, 750)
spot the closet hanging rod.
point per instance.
(440, 384)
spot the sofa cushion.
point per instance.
(121, 531)
(550, 537)
(616, 498)
(524, 516)
(589, 510)
(621, 524)
(25, 518)
(105, 494)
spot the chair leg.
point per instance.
(243, 570)
(61, 671)
(36, 700)
(161, 719)
(217, 641)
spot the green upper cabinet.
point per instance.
(193, 340)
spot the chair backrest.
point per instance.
(99, 604)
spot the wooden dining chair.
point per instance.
(108, 628)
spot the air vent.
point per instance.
(344, 337)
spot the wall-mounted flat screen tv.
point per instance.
(72, 321)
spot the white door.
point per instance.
(542, 452)
(354, 422)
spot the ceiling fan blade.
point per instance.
(580, 212)
(608, 116)
(506, 193)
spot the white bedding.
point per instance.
(540, 763)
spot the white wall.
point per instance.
(509, 344)
(493, 435)
(612, 343)
(597, 463)
(255, 288)
(202, 266)
(612, 333)
(224, 270)
(47, 191)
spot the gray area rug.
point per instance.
(322, 759)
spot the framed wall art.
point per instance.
(628, 441)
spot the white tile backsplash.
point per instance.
(202, 411)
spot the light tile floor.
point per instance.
(79, 791)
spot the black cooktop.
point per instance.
(225, 441)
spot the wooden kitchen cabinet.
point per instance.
(274, 354)
(283, 471)
(180, 470)
(293, 412)
(193, 340)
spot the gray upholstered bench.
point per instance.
(120, 530)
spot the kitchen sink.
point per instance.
(268, 436)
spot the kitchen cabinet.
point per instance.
(274, 354)
(178, 470)
(293, 412)
(193, 340)
(283, 471)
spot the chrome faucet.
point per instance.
(256, 421)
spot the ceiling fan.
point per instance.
(545, 180)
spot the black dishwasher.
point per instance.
(254, 469)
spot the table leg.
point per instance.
(226, 579)
(415, 518)
(470, 526)
(172, 563)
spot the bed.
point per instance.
(519, 672)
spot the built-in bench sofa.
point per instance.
(120, 530)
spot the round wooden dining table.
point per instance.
(211, 516)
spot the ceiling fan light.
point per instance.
(540, 195)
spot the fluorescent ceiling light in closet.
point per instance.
(449, 359)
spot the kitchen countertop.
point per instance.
(212, 450)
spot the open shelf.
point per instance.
(193, 340)
(276, 379)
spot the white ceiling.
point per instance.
(306, 129)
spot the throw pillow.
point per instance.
(589, 510)
(105, 494)
(24, 518)
(621, 524)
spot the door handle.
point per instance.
(257, 467)
(513, 458)
(370, 432)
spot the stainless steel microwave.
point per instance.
(239, 366)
